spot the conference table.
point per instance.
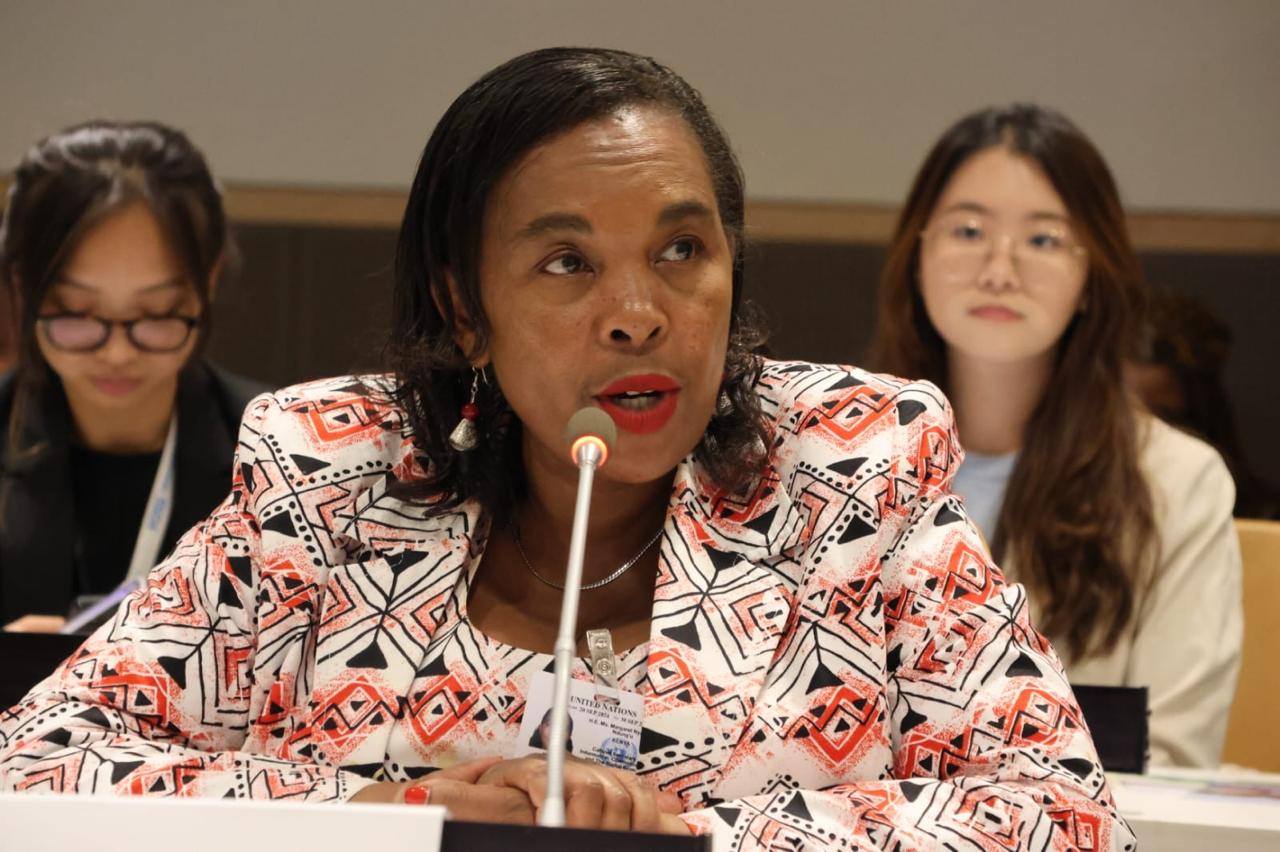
(1194, 809)
(35, 823)
(1170, 809)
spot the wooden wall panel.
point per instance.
(253, 323)
(1245, 291)
(778, 221)
(343, 300)
(821, 301)
(819, 298)
(315, 301)
(309, 302)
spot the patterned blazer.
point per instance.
(834, 660)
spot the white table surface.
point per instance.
(34, 823)
(1170, 809)
(1185, 809)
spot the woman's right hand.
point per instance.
(595, 796)
(456, 788)
(511, 791)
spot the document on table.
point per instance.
(1181, 808)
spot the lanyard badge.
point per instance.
(604, 720)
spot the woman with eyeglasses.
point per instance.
(117, 435)
(1011, 283)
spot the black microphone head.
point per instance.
(590, 425)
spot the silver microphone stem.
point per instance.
(552, 813)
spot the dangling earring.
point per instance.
(465, 436)
(724, 405)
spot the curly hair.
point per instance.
(487, 130)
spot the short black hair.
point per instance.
(485, 132)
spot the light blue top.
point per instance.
(981, 482)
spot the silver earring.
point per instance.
(465, 437)
(724, 405)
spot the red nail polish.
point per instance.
(418, 795)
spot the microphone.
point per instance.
(590, 428)
(590, 435)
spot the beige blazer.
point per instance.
(1184, 643)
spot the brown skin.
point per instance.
(495, 790)
(455, 788)
(641, 284)
(595, 796)
(603, 256)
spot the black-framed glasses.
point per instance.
(85, 333)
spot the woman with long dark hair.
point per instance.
(116, 435)
(812, 650)
(1011, 283)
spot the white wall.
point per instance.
(824, 100)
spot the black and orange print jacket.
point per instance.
(834, 662)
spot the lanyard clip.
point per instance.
(604, 665)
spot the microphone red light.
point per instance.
(590, 426)
(575, 449)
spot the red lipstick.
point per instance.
(640, 404)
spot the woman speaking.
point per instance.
(823, 652)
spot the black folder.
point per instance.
(1117, 718)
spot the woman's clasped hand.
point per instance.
(511, 791)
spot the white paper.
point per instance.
(31, 822)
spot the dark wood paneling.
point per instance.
(253, 324)
(1245, 291)
(343, 300)
(315, 301)
(820, 299)
(308, 302)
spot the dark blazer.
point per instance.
(38, 526)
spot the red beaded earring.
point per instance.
(465, 437)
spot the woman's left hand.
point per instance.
(595, 796)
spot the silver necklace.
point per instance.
(622, 569)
